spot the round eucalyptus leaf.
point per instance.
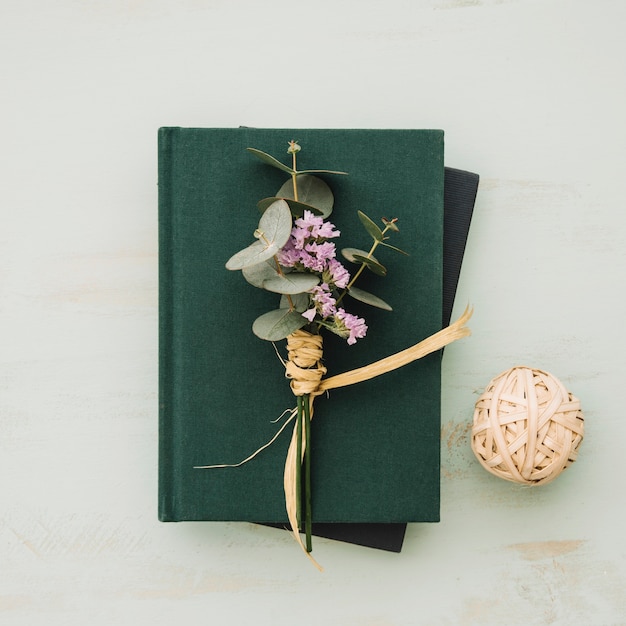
(312, 191)
(368, 298)
(275, 223)
(273, 232)
(300, 302)
(252, 255)
(372, 264)
(291, 283)
(297, 208)
(352, 253)
(257, 274)
(277, 324)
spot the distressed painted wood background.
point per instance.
(531, 94)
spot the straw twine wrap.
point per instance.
(527, 426)
(304, 365)
(306, 372)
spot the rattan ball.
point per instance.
(527, 426)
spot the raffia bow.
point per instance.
(306, 372)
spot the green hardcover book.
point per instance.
(375, 445)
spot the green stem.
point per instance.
(295, 197)
(299, 417)
(294, 180)
(307, 474)
(294, 177)
(281, 273)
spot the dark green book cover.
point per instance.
(375, 444)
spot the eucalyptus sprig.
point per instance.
(292, 256)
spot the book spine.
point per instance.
(166, 139)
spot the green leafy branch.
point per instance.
(369, 261)
(260, 265)
(308, 281)
(302, 191)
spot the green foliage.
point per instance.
(299, 302)
(277, 324)
(387, 245)
(351, 253)
(372, 265)
(297, 208)
(354, 255)
(270, 160)
(375, 232)
(273, 233)
(257, 274)
(312, 192)
(259, 261)
(368, 298)
(313, 195)
(304, 172)
(253, 254)
(292, 283)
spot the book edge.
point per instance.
(165, 325)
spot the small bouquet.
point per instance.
(294, 256)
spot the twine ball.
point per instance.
(527, 426)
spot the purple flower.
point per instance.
(324, 301)
(315, 255)
(307, 247)
(350, 326)
(299, 237)
(326, 230)
(322, 251)
(315, 227)
(288, 256)
(310, 314)
(339, 275)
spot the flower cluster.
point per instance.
(308, 249)
(349, 326)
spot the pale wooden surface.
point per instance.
(531, 95)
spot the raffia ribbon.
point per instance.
(304, 365)
(306, 372)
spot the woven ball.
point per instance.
(527, 426)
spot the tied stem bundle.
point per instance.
(293, 255)
(306, 372)
(304, 368)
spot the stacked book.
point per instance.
(375, 445)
